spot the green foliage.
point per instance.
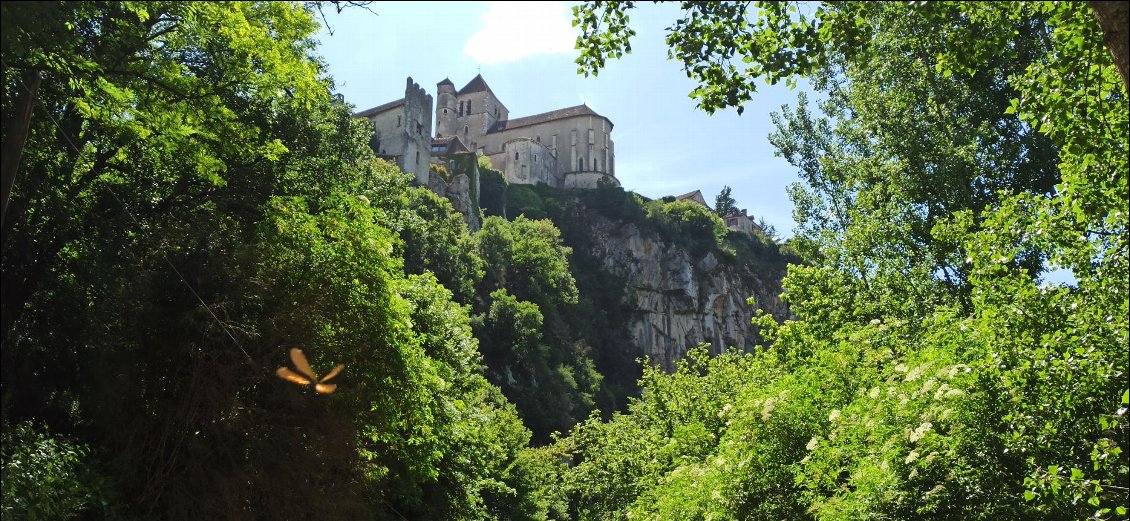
(467, 165)
(436, 239)
(689, 224)
(773, 42)
(529, 350)
(523, 200)
(964, 149)
(441, 171)
(493, 188)
(219, 207)
(527, 258)
(44, 476)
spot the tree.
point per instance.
(115, 75)
(724, 205)
(527, 258)
(529, 349)
(192, 202)
(773, 41)
(964, 147)
(436, 239)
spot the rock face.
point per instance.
(680, 300)
(459, 193)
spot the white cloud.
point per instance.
(516, 30)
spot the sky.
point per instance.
(524, 50)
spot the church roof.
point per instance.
(446, 81)
(579, 110)
(477, 84)
(379, 108)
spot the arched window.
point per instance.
(464, 130)
(515, 156)
(594, 163)
(444, 112)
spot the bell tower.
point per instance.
(446, 109)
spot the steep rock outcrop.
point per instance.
(459, 191)
(678, 299)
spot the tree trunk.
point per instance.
(17, 135)
(1114, 19)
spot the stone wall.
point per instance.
(463, 189)
(575, 140)
(588, 180)
(418, 131)
(525, 161)
(402, 131)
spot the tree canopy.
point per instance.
(961, 152)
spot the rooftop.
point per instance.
(579, 110)
(379, 108)
(477, 84)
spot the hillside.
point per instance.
(653, 279)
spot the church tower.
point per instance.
(446, 116)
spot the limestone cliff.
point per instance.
(459, 191)
(676, 299)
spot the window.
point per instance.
(460, 108)
(539, 139)
(535, 158)
(468, 107)
(594, 163)
(444, 112)
(464, 130)
(417, 157)
(398, 121)
(419, 129)
(515, 156)
(580, 163)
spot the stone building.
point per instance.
(741, 221)
(402, 131)
(565, 148)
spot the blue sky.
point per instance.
(664, 145)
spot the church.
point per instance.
(565, 148)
